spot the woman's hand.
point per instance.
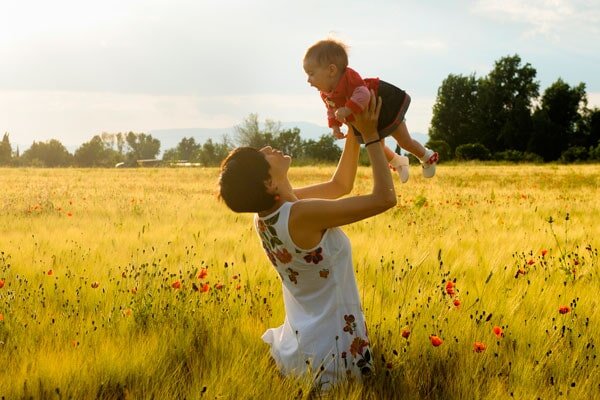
(366, 122)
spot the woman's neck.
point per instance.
(283, 199)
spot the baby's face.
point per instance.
(321, 77)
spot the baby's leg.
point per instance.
(407, 142)
(389, 154)
(428, 157)
(400, 163)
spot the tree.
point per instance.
(593, 127)
(5, 151)
(114, 141)
(141, 147)
(558, 120)
(249, 132)
(47, 154)
(188, 149)
(325, 149)
(96, 153)
(289, 142)
(171, 155)
(504, 103)
(212, 153)
(454, 110)
(472, 151)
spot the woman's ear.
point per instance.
(270, 186)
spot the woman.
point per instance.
(324, 332)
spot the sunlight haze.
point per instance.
(73, 69)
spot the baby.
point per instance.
(345, 93)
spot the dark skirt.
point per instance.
(395, 102)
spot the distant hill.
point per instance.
(170, 138)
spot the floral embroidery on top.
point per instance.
(350, 324)
(270, 241)
(270, 255)
(292, 275)
(357, 346)
(314, 256)
(283, 256)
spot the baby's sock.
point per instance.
(399, 161)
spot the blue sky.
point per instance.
(73, 69)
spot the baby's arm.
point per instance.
(358, 96)
(355, 104)
(359, 99)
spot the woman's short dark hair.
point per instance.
(242, 182)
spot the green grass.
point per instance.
(89, 257)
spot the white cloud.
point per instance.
(593, 99)
(545, 17)
(433, 45)
(74, 117)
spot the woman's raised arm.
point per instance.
(342, 181)
(309, 218)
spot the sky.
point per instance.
(72, 69)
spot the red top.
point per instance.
(352, 92)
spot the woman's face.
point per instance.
(279, 162)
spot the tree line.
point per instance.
(132, 149)
(502, 116)
(499, 116)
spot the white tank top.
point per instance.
(324, 331)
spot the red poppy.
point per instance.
(564, 309)
(133, 290)
(435, 340)
(405, 333)
(95, 285)
(544, 252)
(234, 277)
(530, 261)
(450, 288)
(203, 273)
(238, 287)
(205, 287)
(219, 286)
(498, 331)
(69, 214)
(176, 284)
(479, 347)
(50, 272)
(456, 303)
(1, 317)
(1, 283)
(127, 312)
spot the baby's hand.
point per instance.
(342, 113)
(337, 133)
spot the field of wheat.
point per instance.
(482, 283)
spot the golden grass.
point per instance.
(88, 259)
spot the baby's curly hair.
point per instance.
(328, 51)
(242, 181)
